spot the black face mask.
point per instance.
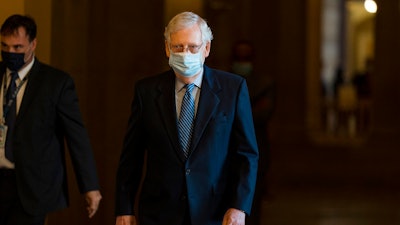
(14, 61)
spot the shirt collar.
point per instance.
(179, 85)
(23, 72)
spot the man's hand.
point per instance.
(92, 201)
(234, 217)
(125, 220)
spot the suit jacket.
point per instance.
(220, 172)
(49, 114)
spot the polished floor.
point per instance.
(332, 207)
(332, 185)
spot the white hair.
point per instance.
(187, 19)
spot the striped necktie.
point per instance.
(11, 114)
(186, 118)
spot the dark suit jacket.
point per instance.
(49, 114)
(220, 172)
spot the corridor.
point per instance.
(336, 185)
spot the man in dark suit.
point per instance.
(213, 180)
(40, 111)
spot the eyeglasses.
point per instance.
(182, 48)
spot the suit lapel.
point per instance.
(208, 103)
(33, 84)
(2, 73)
(167, 109)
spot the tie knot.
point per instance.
(189, 87)
(14, 76)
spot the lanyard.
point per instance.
(7, 106)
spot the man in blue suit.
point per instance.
(211, 182)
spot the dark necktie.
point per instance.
(10, 115)
(186, 117)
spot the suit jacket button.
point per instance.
(187, 171)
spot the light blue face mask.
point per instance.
(185, 63)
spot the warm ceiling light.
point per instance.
(370, 6)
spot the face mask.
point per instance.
(186, 64)
(242, 68)
(14, 61)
